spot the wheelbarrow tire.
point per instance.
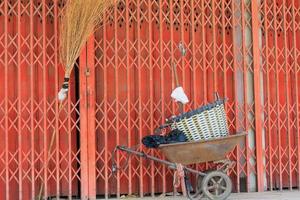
(216, 185)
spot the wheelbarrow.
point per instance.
(216, 184)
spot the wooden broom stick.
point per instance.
(177, 85)
(183, 53)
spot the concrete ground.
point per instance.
(283, 195)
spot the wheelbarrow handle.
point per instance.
(171, 165)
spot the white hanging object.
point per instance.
(62, 94)
(179, 96)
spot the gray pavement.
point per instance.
(283, 195)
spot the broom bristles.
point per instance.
(79, 21)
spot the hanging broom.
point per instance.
(78, 23)
(80, 19)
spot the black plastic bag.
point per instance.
(153, 141)
(174, 136)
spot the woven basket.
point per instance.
(204, 123)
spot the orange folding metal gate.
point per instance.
(247, 51)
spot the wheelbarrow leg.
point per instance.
(194, 194)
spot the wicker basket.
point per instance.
(204, 123)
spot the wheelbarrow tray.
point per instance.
(201, 151)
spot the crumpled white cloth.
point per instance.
(62, 94)
(179, 96)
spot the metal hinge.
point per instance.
(87, 71)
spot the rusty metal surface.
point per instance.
(201, 151)
(126, 94)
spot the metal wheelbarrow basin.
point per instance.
(201, 151)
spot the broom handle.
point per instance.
(175, 75)
(65, 84)
(49, 152)
(177, 85)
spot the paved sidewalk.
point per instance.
(284, 195)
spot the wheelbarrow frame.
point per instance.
(175, 153)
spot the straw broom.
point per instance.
(80, 19)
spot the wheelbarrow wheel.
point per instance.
(200, 179)
(216, 185)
